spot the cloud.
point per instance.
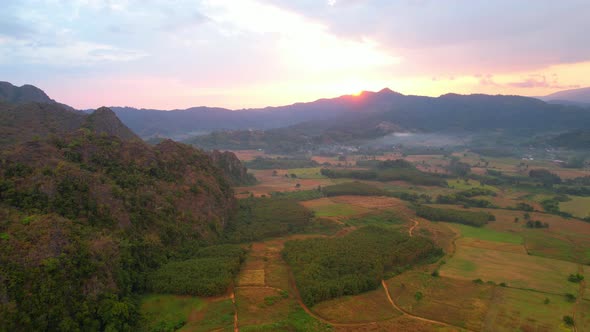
(459, 37)
(540, 81)
(68, 54)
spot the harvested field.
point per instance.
(458, 302)
(522, 310)
(367, 307)
(578, 206)
(516, 270)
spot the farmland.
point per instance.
(495, 273)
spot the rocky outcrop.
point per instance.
(232, 168)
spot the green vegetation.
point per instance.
(107, 213)
(577, 206)
(209, 274)
(353, 188)
(259, 218)
(575, 278)
(544, 176)
(307, 173)
(326, 268)
(167, 312)
(384, 219)
(471, 218)
(410, 175)
(486, 234)
(336, 210)
(300, 195)
(536, 224)
(280, 163)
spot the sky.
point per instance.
(169, 54)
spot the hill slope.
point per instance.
(85, 217)
(581, 95)
(28, 121)
(24, 94)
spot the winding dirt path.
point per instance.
(396, 307)
(233, 300)
(411, 230)
(295, 290)
(390, 299)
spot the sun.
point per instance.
(358, 93)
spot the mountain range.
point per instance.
(343, 119)
(374, 113)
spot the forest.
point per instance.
(472, 218)
(325, 268)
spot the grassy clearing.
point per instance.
(486, 234)
(326, 207)
(367, 307)
(217, 315)
(457, 302)
(521, 310)
(297, 320)
(517, 270)
(168, 312)
(384, 219)
(251, 278)
(578, 206)
(259, 306)
(491, 245)
(336, 210)
(460, 184)
(545, 244)
(186, 313)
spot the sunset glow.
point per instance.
(253, 53)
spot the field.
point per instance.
(482, 233)
(170, 312)
(327, 207)
(578, 206)
(265, 298)
(516, 270)
(512, 309)
(502, 276)
(458, 302)
(367, 307)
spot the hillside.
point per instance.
(86, 216)
(454, 114)
(29, 121)
(579, 139)
(24, 94)
(581, 95)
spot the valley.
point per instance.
(329, 236)
(502, 276)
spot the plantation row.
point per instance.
(410, 175)
(471, 218)
(326, 268)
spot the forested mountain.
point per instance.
(24, 122)
(28, 121)
(83, 219)
(450, 113)
(368, 115)
(26, 93)
(88, 212)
